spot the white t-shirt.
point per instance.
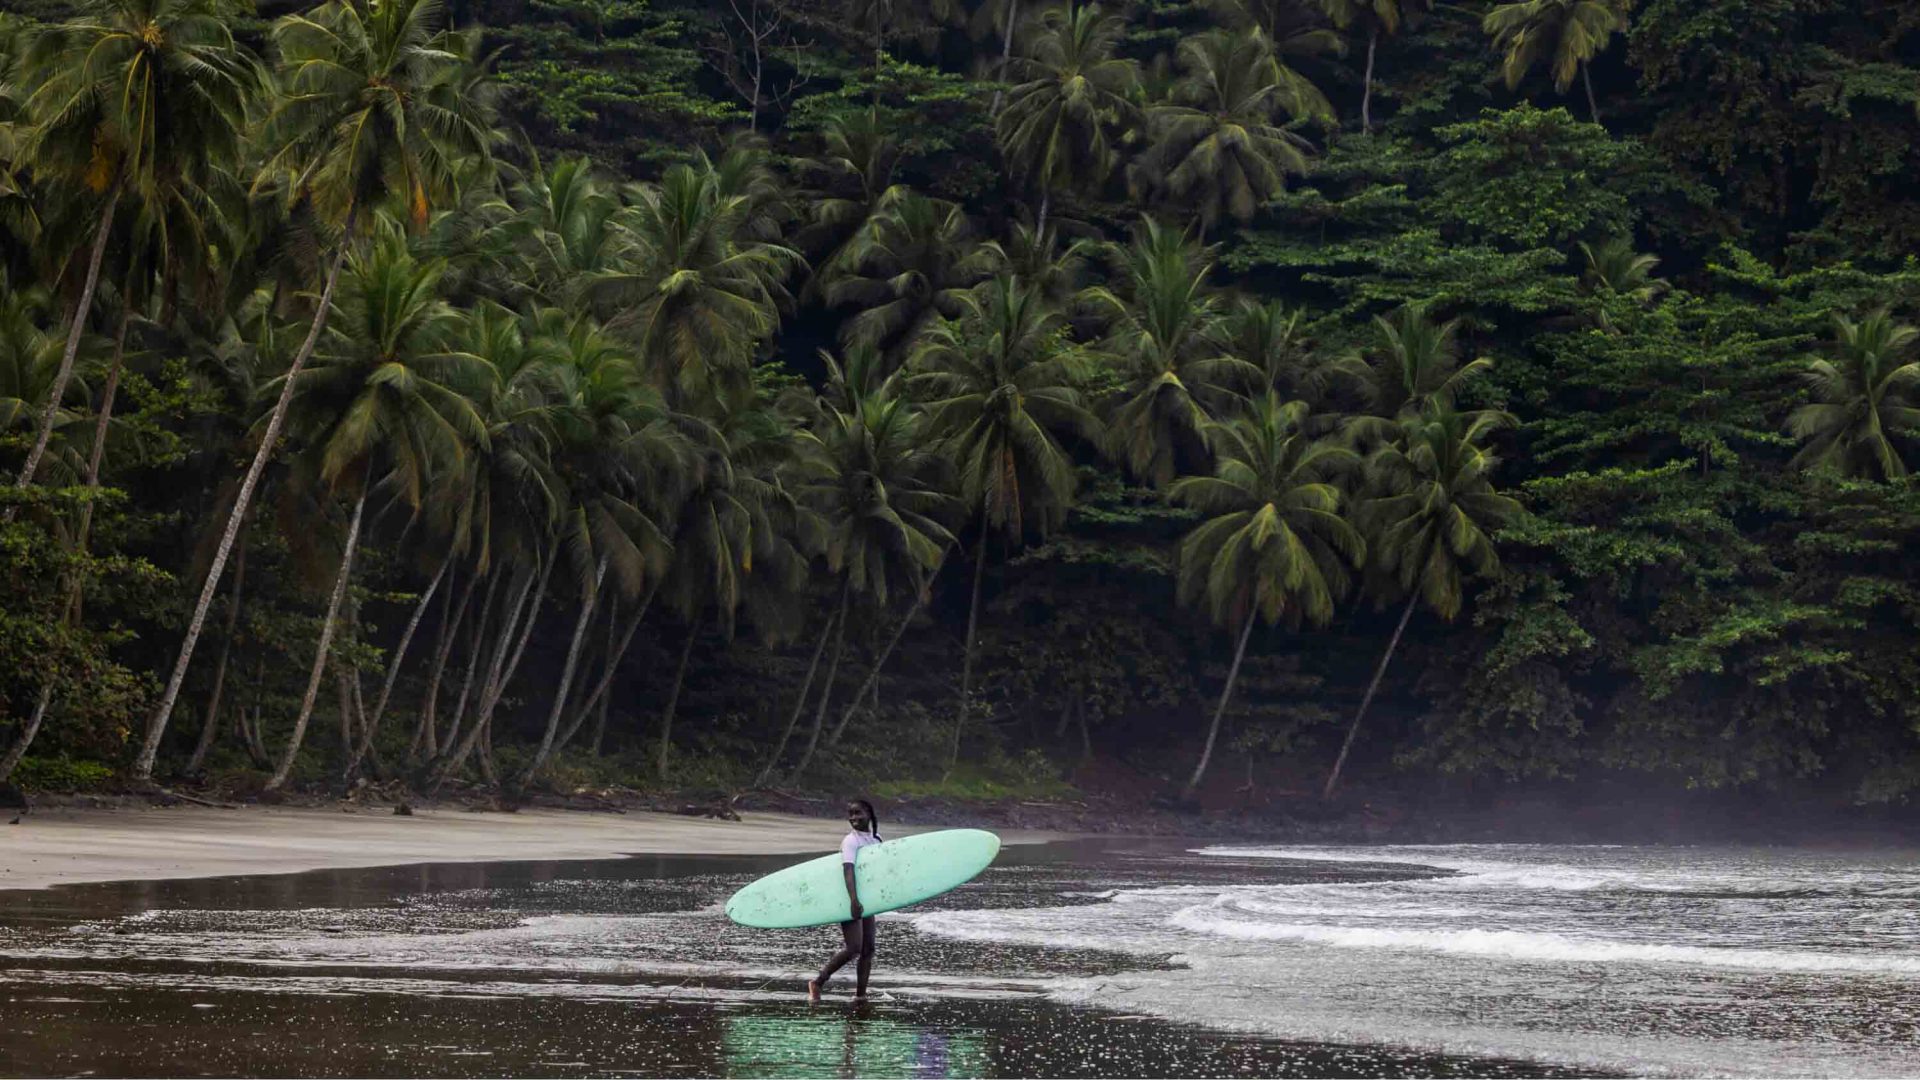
(850, 847)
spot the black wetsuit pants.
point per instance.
(858, 937)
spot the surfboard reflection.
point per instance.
(847, 1045)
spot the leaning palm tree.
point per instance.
(1376, 19)
(385, 406)
(1274, 545)
(1218, 149)
(1071, 100)
(1162, 317)
(1565, 34)
(622, 458)
(725, 529)
(131, 98)
(913, 264)
(1432, 524)
(871, 480)
(380, 105)
(696, 294)
(1000, 384)
(1865, 396)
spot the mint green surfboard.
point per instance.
(889, 875)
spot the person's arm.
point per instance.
(853, 896)
(849, 854)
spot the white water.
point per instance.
(1650, 960)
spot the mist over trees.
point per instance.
(787, 392)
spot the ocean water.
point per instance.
(1688, 961)
(1120, 958)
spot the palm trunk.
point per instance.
(799, 705)
(1366, 92)
(280, 773)
(393, 672)
(600, 726)
(1006, 54)
(673, 702)
(826, 690)
(19, 748)
(157, 723)
(566, 676)
(212, 725)
(1593, 105)
(966, 664)
(616, 655)
(426, 743)
(347, 725)
(1340, 762)
(476, 642)
(100, 423)
(1226, 694)
(504, 668)
(101, 233)
(872, 685)
(250, 728)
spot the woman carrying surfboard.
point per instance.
(856, 933)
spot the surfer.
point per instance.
(856, 933)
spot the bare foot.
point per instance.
(813, 991)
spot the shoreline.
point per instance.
(74, 846)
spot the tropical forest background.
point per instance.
(1319, 396)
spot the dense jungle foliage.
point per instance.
(529, 392)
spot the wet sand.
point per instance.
(592, 968)
(72, 846)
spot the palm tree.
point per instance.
(565, 226)
(1274, 544)
(378, 105)
(1416, 364)
(503, 513)
(1055, 269)
(1433, 522)
(847, 185)
(1614, 268)
(29, 360)
(1566, 34)
(1266, 336)
(385, 405)
(1161, 333)
(999, 383)
(1376, 18)
(726, 529)
(1296, 28)
(913, 264)
(1071, 101)
(130, 97)
(1864, 398)
(623, 460)
(1217, 149)
(696, 295)
(870, 480)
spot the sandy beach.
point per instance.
(72, 846)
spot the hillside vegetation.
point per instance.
(788, 392)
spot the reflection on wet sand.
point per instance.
(847, 1045)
